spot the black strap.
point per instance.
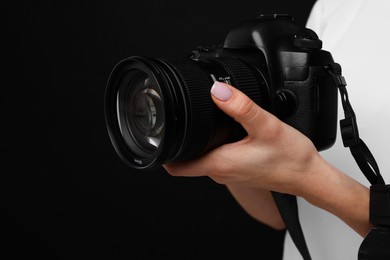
(376, 244)
(288, 208)
(350, 133)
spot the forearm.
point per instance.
(328, 188)
(259, 204)
(324, 186)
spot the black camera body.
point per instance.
(160, 110)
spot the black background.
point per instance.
(65, 192)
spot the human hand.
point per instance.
(274, 155)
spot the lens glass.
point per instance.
(143, 123)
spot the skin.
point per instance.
(275, 157)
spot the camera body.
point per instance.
(160, 110)
(290, 58)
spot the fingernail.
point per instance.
(221, 91)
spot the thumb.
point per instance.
(237, 105)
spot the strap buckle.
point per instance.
(349, 132)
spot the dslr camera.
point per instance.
(159, 110)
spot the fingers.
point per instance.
(193, 168)
(216, 164)
(201, 166)
(237, 105)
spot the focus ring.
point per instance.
(201, 110)
(243, 78)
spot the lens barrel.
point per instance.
(160, 111)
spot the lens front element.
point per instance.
(141, 113)
(145, 117)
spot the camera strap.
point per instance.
(288, 209)
(350, 133)
(376, 244)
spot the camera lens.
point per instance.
(159, 111)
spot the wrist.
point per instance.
(308, 177)
(316, 180)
